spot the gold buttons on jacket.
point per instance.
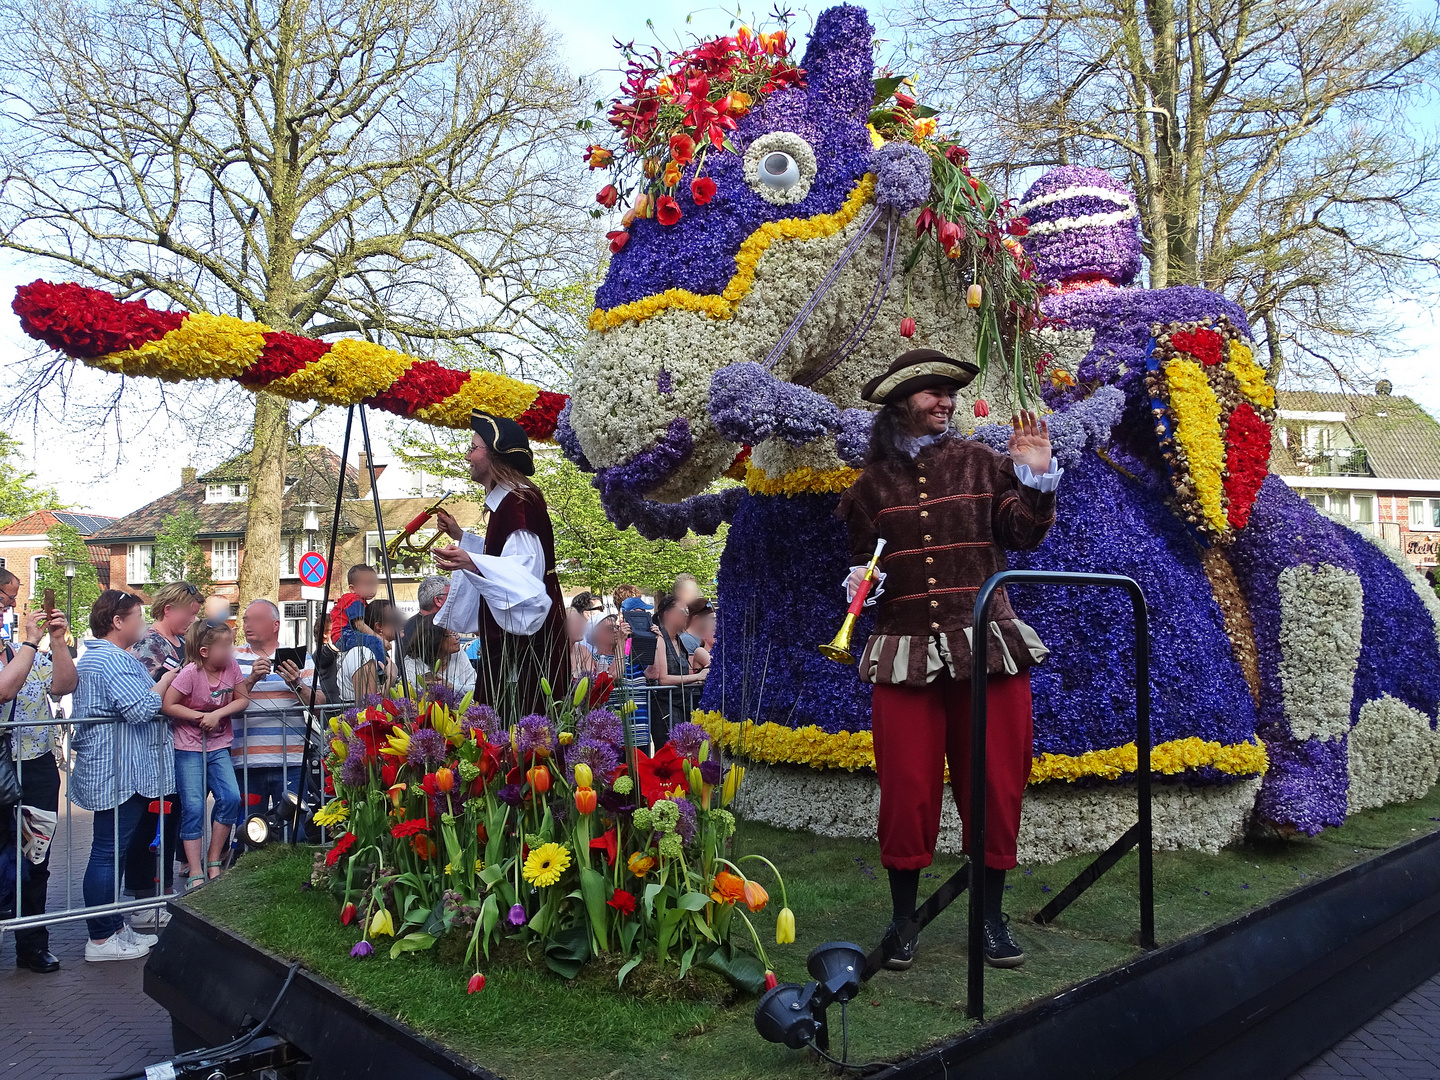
(934, 603)
(927, 538)
(922, 479)
(934, 626)
(923, 495)
(931, 580)
(929, 558)
(924, 513)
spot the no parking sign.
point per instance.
(312, 571)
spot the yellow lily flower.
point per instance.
(399, 741)
(381, 923)
(785, 927)
(732, 784)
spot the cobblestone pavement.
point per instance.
(85, 1021)
(1402, 1043)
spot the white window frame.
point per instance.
(294, 545)
(229, 552)
(139, 564)
(226, 492)
(1420, 521)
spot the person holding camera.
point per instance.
(28, 677)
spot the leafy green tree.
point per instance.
(592, 553)
(67, 545)
(19, 494)
(178, 554)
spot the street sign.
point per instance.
(312, 571)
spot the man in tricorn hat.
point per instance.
(505, 587)
(947, 508)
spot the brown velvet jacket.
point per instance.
(947, 515)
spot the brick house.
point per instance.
(1371, 458)
(25, 542)
(219, 499)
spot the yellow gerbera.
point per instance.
(332, 813)
(545, 864)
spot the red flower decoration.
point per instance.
(982, 407)
(476, 984)
(1018, 226)
(925, 222)
(85, 323)
(659, 774)
(667, 210)
(423, 383)
(1247, 461)
(283, 354)
(904, 100)
(540, 419)
(408, 828)
(608, 844)
(344, 844)
(682, 149)
(601, 689)
(1204, 345)
(608, 197)
(618, 239)
(702, 190)
(622, 901)
(907, 327)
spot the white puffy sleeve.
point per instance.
(511, 583)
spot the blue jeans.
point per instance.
(99, 886)
(194, 771)
(350, 638)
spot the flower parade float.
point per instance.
(527, 893)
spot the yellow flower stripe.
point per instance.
(1249, 375)
(852, 751)
(351, 371)
(801, 481)
(1197, 429)
(724, 305)
(202, 347)
(497, 394)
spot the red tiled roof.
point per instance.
(41, 521)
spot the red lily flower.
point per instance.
(682, 148)
(661, 773)
(608, 844)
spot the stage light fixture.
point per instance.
(257, 830)
(795, 1015)
(785, 1015)
(836, 965)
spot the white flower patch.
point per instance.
(1067, 346)
(1394, 554)
(1078, 191)
(618, 410)
(1321, 613)
(1083, 221)
(801, 155)
(1056, 821)
(1394, 756)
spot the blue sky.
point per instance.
(86, 473)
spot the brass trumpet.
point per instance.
(400, 542)
(839, 647)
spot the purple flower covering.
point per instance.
(1077, 250)
(749, 405)
(687, 739)
(902, 176)
(689, 819)
(702, 514)
(651, 466)
(600, 756)
(427, 749)
(354, 771)
(534, 733)
(485, 718)
(765, 664)
(601, 725)
(1307, 783)
(852, 440)
(698, 253)
(568, 440)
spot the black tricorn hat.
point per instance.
(505, 439)
(918, 369)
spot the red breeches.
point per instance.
(915, 731)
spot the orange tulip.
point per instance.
(444, 780)
(755, 896)
(728, 888)
(586, 800)
(539, 777)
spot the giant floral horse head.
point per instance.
(712, 281)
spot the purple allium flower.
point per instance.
(444, 695)
(600, 756)
(516, 916)
(902, 176)
(534, 733)
(354, 770)
(362, 949)
(710, 771)
(427, 749)
(689, 819)
(486, 719)
(351, 715)
(369, 701)
(511, 794)
(601, 725)
(687, 739)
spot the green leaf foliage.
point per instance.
(178, 554)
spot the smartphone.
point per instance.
(295, 656)
(49, 601)
(170, 664)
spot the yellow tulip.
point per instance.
(338, 745)
(381, 923)
(584, 776)
(974, 295)
(785, 927)
(566, 738)
(732, 784)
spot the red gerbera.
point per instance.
(659, 774)
(408, 828)
(344, 844)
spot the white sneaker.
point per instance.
(150, 919)
(128, 935)
(115, 947)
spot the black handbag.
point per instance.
(10, 792)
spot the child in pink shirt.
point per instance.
(205, 693)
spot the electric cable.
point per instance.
(846, 1065)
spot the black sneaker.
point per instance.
(1001, 948)
(904, 954)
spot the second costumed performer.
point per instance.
(947, 508)
(505, 587)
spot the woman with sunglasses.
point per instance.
(172, 611)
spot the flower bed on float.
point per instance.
(550, 834)
(531, 1024)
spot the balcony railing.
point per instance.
(1335, 461)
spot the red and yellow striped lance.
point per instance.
(130, 337)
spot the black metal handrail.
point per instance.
(1141, 834)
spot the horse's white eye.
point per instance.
(780, 167)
